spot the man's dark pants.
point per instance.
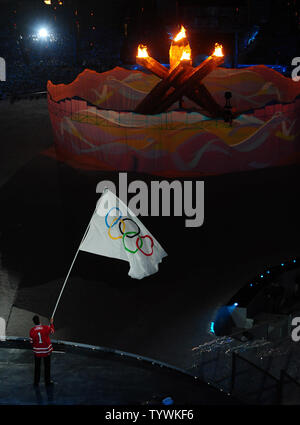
(37, 369)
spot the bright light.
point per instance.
(186, 55)
(43, 33)
(218, 50)
(181, 34)
(142, 51)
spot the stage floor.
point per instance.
(99, 379)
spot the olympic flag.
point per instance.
(115, 231)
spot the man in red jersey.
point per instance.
(42, 348)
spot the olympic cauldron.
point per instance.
(170, 122)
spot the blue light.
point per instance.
(231, 307)
(268, 271)
(212, 327)
(294, 261)
(282, 264)
(168, 401)
(278, 68)
(251, 284)
(252, 38)
(261, 275)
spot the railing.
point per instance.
(29, 96)
(237, 375)
(289, 389)
(253, 384)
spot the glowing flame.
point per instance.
(181, 34)
(142, 52)
(218, 50)
(186, 55)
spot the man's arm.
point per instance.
(51, 325)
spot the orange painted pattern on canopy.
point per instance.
(101, 132)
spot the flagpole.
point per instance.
(74, 259)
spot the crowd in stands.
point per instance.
(30, 63)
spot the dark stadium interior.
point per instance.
(251, 218)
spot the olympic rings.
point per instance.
(139, 230)
(113, 223)
(123, 238)
(131, 234)
(119, 218)
(140, 247)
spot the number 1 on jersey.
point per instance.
(40, 338)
